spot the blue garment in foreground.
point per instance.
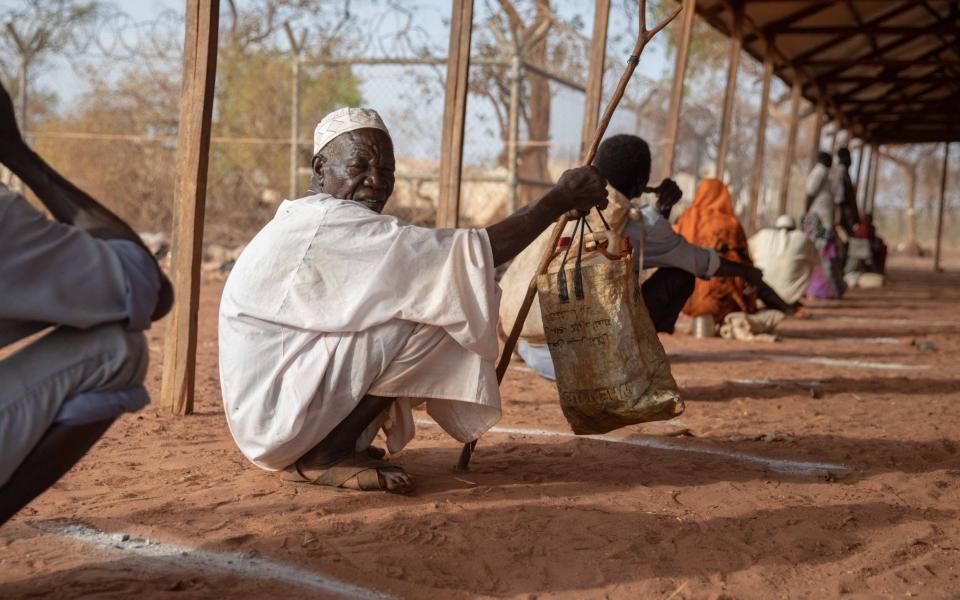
(537, 357)
(91, 407)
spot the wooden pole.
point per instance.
(940, 209)
(835, 137)
(454, 113)
(594, 92)
(676, 91)
(758, 154)
(865, 184)
(856, 181)
(513, 131)
(730, 94)
(874, 177)
(296, 48)
(911, 206)
(193, 146)
(817, 133)
(791, 144)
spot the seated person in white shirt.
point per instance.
(87, 275)
(337, 319)
(624, 161)
(786, 256)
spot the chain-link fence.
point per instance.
(524, 115)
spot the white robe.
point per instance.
(331, 301)
(787, 259)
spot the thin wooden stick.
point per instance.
(642, 39)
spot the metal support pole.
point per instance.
(676, 91)
(513, 131)
(726, 120)
(296, 47)
(791, 143)
(758, 155)
(295, 128)
(943, 190)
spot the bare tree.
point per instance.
(34, 29)
(534, 30)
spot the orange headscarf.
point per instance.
(710, 222)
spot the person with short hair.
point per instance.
(337, 319)
(86, 277)
(624, 161)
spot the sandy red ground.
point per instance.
(558, 517)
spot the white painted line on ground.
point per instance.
(882, 321)
(768, 381)
(787, 467)
(816, 360)
(827, 338)
(192, 559)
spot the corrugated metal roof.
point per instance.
(890, 70)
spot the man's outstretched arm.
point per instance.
(754, 277)
(65, 201)
(579, 189)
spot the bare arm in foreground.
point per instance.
(578, 189)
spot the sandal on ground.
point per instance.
(359, 466)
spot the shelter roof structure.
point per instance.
(888, 70)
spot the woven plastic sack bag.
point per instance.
(611, 368)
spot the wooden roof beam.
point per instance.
(860, 22)
(954, 12)
(848, 64)
(893, 71)
(873, 55)
(938, 75)
(866, 29)
(877, 20)
(888, 104)
(788, 20)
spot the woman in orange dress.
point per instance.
(711, 223)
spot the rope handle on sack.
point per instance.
(562, 273)
(582, 225)
(577, 271)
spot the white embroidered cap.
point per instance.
(343, 120)
(785, 222)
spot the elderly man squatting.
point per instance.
(337, 319)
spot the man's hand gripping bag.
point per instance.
(611, 368)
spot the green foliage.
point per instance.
(253, 100)
(249, 157)
(709, 49)
(134, 177)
